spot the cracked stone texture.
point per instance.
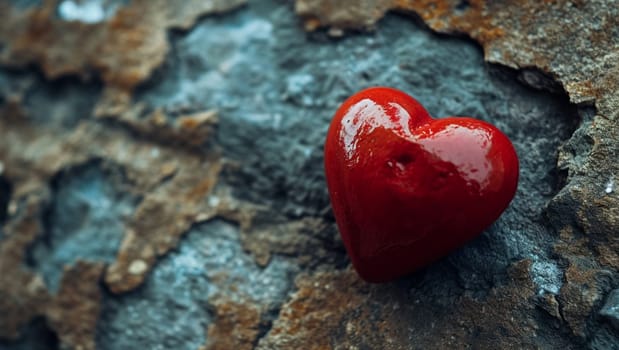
(205, 277)
(161, 181)
(86, 205)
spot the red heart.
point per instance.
(407, 189)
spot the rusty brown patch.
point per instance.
(23, 295)
(334, 310)
(296, 238)
(585, 283)
(443, 16)
(75, 310)
(236, 325)
(123, 51)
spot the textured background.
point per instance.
(161, 180)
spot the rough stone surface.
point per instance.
(336, 310)
(174, 307)
(161, 181)
(84, 222)
(611, 308)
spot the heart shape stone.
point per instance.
(407, 189)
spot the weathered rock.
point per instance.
(207, 292)
(124, 50)
(85, 220)
(572, 42)
(611, 308)
(338, 311)
(74, 313)
(148, 128)
(236, 327)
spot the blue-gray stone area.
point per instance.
(13, 82)
(25, 4)
(604, 337)
(86, 220)
(88, 11)
(60, 103)
(173, 309)
(610, 311)
(63, 102)
(277, 87)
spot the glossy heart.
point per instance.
(407, 189)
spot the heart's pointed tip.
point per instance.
(376, 279)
